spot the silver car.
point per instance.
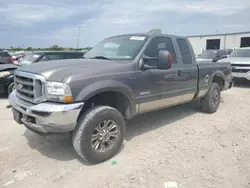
(240, 61)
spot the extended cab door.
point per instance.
(187, 68)
(164, 87)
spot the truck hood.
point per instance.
(58, 70)
(236, 60)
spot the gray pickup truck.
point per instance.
(120, 77)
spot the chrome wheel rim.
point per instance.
(215, 97)
(104, 136)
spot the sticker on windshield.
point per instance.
(35, 56)
(137, 38)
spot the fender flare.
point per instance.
(216, 73)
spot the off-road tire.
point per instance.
(207, 101)
(86, 125)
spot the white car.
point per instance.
(240, 61)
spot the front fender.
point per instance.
(107, 85)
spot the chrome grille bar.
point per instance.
(29, 86)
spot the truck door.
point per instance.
(188, 70)
(165, 85)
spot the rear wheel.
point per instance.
(99, 134)
(210, 103)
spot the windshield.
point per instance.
(118, 48)
(240, 53)
(28, 59)
(209, 54)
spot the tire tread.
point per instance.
(205, 102)
(82, 124)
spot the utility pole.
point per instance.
(79, 28)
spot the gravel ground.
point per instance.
(177, 144)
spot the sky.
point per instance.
(44, 23)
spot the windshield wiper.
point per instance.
(100, 57)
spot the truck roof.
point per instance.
(149, 34)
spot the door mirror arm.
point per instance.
(145, 66)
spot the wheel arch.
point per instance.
(219, 78)
(122, 91)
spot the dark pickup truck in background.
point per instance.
(6, 77)
(120, 77)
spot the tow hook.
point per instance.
(9, 106)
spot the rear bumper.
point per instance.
(241, 75)
(46, 117)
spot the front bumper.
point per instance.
(46, 117)
(241, 75)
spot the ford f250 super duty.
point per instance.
(120, 77)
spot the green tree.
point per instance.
(155, 30)
(29, 48)
(55, 47)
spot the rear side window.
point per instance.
(185, 51)
(4, 54)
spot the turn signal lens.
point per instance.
(68, 99)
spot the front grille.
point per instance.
(240, 68)
(240, 65)
(29, 87)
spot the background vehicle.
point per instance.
(48, 56)
(5, 58)
(119, 78)
(17, 56)
(240, 61)
(214, 55)
(6, 77)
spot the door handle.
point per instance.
(171, 76)
(175, 74)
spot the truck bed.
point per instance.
(207, 72)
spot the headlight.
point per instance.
(58, 91)
(3, 74)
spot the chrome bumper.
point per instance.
(46, 117)
(241, 75)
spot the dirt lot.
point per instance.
(173, 145)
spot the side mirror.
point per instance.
(164, 59)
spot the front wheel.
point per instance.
(99, 134)
(210, 103)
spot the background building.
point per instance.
(219, 41)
